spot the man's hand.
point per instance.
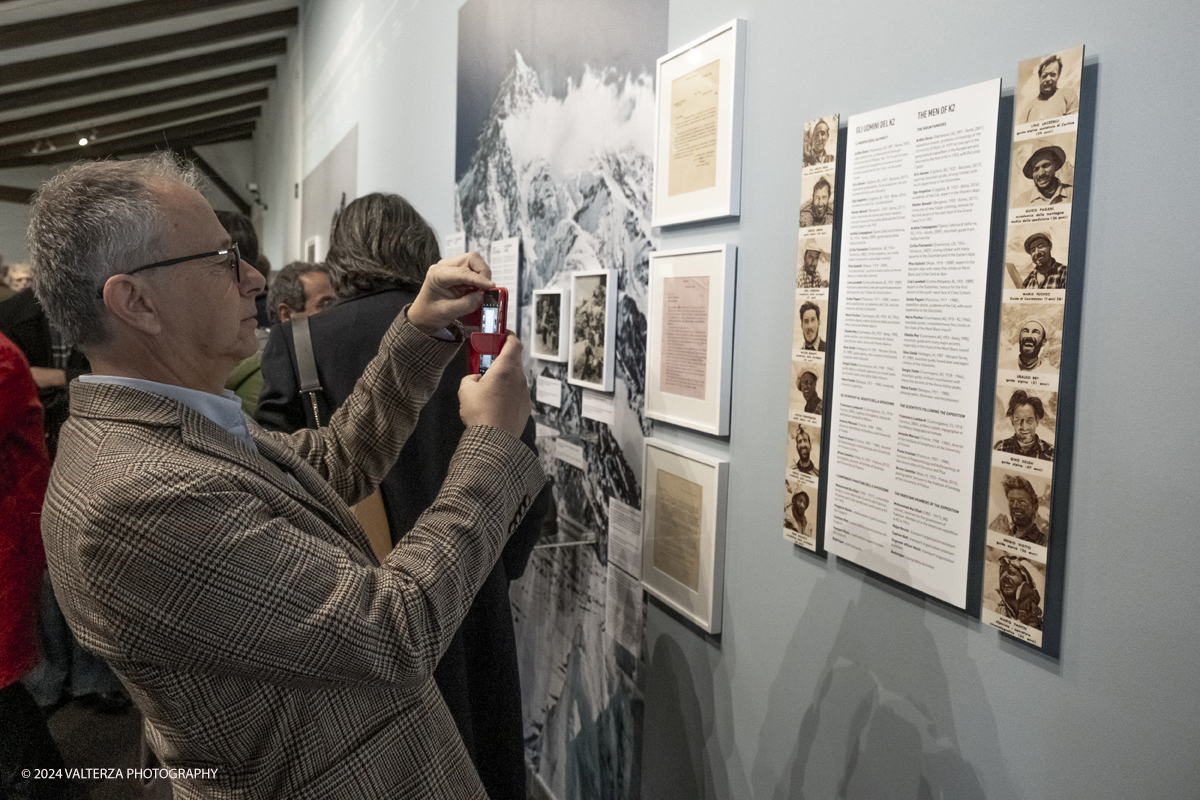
(451, 290)
(44, 377)
(500, 398)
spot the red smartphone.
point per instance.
(493, 323)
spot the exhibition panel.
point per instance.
(911, 303)
(804, 487)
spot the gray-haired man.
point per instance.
(215, 565)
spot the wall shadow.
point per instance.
(879, 724)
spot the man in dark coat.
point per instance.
(380, 248)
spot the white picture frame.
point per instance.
(704, 182)
(553, 342)
(593, 330)
(690, 323)
(683, 558)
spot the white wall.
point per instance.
(14, 217)
(805, 640)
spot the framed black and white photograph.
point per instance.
(593, 329)
(698, 128)
(551, 324)
(683, 530)
(689, 337)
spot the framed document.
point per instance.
(593, 329)
(689, 341)
(683, 530)
(698, 128)
(551, 324)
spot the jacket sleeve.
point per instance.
(205, 576)
(365, 435)
(280, 406)
(520, 545)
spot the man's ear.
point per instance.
(285, 312)
(131, 303)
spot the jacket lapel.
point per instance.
(198, 432)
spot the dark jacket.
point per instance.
(478, 674)
(24, 322)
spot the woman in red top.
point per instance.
(25, 741)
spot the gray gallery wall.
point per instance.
(826, 682)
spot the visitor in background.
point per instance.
(25, 742)
(20, 276)
(66, 670)
(379, 251)
(299, 288)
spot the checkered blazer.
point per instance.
(237, 598)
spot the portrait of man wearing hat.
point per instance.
(1052, 100)
(1030, 341)
(1042, 168)
(1047, 273)
(809, 277)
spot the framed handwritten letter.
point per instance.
(683, 530)
(689, 344)
(698, 128)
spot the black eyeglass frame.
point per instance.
(236, 264)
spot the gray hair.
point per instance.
(287, 288)
(90, 222)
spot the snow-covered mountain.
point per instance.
(572, 176)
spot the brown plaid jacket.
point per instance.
(243, 609)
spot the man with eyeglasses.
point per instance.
(216, 565)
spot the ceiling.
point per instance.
(93, 79)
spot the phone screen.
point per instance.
(491, 318)
(490, 315)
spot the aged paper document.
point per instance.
(693, 163)
(684, 336)
(677, 528)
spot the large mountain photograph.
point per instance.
(554, 142)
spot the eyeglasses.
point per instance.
(234, 264)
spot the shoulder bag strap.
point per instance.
(306, 365)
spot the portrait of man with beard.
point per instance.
(818, 209)
(805, 464)
(795, 514)
(1031, 340)
(809, 276)
(810, 327)
(1052, 100)
(1021, 521)
(1042, 167)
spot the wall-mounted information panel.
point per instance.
(911, 304)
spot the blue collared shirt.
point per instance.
(225, 409)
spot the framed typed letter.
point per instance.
(698, 128)
(683, 530)
(593, 329)
(689, 344)
(551, 324)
